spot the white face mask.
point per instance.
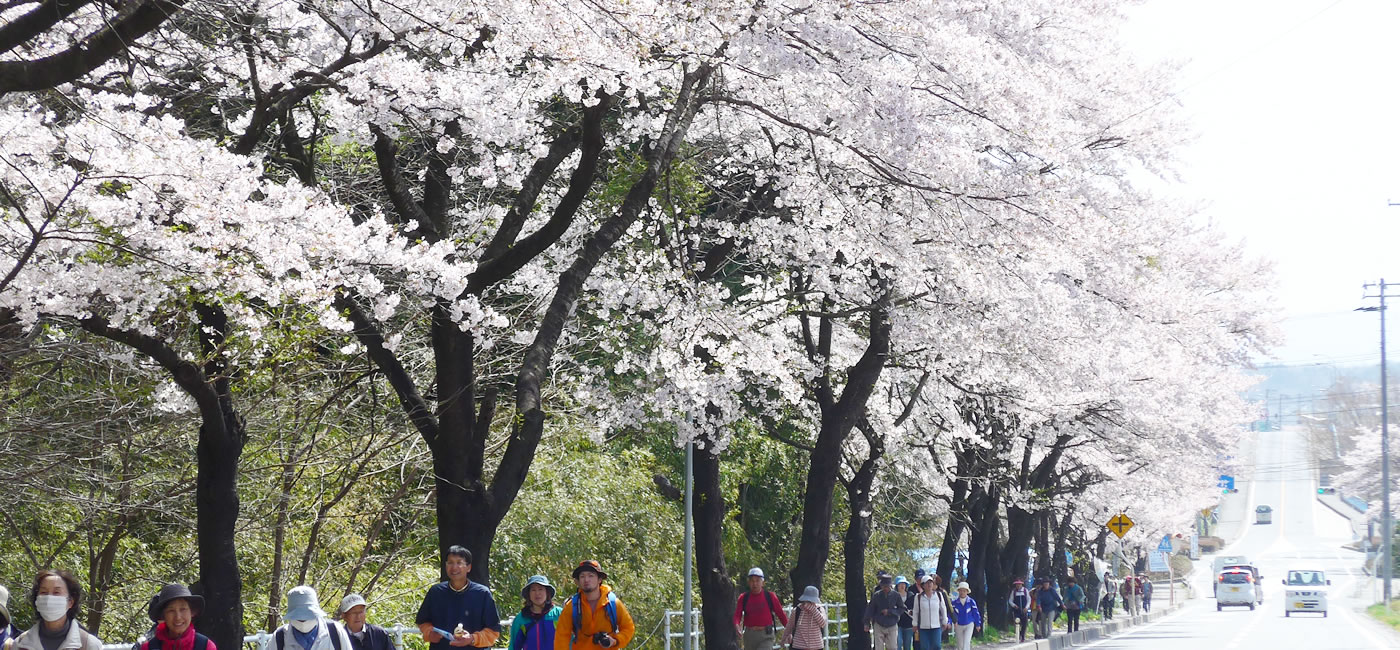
(304, 626)
(53, 608)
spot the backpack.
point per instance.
(577, 603)
(281, 637)
(768, 596)
(201, 642)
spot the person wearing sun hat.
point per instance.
(882, 613)
(534, 627)
(8, 631)
(307, 627)
(807, 625)
(1019, 602)
(174, 610)
(967, 619)
(352, 612)
(594, 618)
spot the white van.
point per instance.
(1222, 561)
(1306, 591)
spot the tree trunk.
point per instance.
(716, 589)
(857, 536)
(984, 573)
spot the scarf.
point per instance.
(183, 642)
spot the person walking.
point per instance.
(307, 627)
(8, 631)
(534, 627)
(929, 616)
(594, 618)
(353, 612)
(458, 612)
(967, 619)
(806, 629)
(56, 597)
(1019, 604)
(1126, 590)
(882, 614)
(906, 620)
(1046, 603)
(758, 614)
(1074, 603)
(1110, 594)
(947, 604)
(1146, 592)
(173, 610)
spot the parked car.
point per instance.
(1305, 590)
(1236, 587)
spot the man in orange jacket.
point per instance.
(594, 618)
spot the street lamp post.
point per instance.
(1387, 527)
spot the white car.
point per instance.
(1305, 590)
(1236, 587)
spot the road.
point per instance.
(1305, 534)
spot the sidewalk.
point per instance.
(1090, 632)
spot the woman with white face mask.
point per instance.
(56, 596)
(307, 627)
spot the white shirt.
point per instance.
(929, 612)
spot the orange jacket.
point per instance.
(595, 619)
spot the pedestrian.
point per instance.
(1046, 603)
(806, 629)
(1019, 603)
(594, 618)
(967, 619)
(906, 621)
(307, 627)
(1137, 595)
(8, 631)
(882, 613)
(947, 604)
(1074, 602)
(174, 610)
(56, 597)
(930, 616)
(1110, 593)
(1126, 590)
(353, 613)
(458, 612)
(758, 614)
(534, 628)
(1146, 593)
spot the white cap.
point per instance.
(755, 572)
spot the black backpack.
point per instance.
(201, 642)
(769, 597)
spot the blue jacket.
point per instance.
(965, 611)
(1047, 599)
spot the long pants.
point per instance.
(1071, 620)
(758, 638)
(930, 639)
(1106, 607)
(906, 638)
(963, 635)
(1146, 603)
(885, 638)
(1042, 623)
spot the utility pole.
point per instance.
(1387, 527)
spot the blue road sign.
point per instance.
(1165, 544)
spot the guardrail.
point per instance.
(261, 640)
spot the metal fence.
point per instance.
(673, 624)
(261, 640)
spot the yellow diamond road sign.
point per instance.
(1120, 524)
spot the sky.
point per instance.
(1296, 110)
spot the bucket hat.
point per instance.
(590, 565)
(963, 586)
(901, 580)
(174, 592)
(303, 604)
(536, 580)
(810, 595)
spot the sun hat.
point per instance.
(901, 580)
(756, 572)
(1018, 581)
(174, 592)
(349, 602)
(963, 586)
(536, 580)
(883, 576)
(5, 603)
(590, 565)
(810, 595)
(303, 605)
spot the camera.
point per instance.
(602, 639)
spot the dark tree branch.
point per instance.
(413, 403)
(33, 23)
(86, 55)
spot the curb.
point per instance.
(1091, 634)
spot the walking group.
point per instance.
(454, 614)
(1136, 592)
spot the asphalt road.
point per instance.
(1304, 535)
